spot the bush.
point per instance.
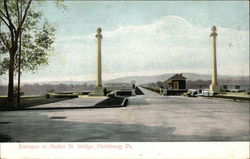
(47, 95)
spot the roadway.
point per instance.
(148, 117)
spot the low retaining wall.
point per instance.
(138, 91)
(112, 102)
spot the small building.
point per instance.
(176, 85)
(176, 82)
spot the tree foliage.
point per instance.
(37, 39)
(18, 18)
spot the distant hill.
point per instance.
(155, 78)
(194, 80)
(190, 76)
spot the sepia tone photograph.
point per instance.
(116, 75)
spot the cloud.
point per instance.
(171, 43)
(168, 44)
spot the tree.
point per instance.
(159, 84)
(16, 17)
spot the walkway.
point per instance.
(82, 102)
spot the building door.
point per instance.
(176, 85)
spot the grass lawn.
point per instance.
(29, 101)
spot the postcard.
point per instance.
(124, 79)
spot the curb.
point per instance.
(245, 99)
(125, 102)
(234, 98)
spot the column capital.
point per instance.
(98, 33)
(213, 29)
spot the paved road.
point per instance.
(148, 117)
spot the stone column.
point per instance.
(99, 57)
(98, 91)
(214, 88)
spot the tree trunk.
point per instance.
(11, 75)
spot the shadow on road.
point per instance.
(65, 131)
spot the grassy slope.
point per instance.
(30, 101)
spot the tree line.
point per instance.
(41, 89)
(202, 84)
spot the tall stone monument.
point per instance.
(98, 91)
(214, 88)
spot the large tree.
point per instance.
(21, 17)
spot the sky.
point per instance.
(145, 38)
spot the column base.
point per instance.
(214, 88)
(98, 91)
